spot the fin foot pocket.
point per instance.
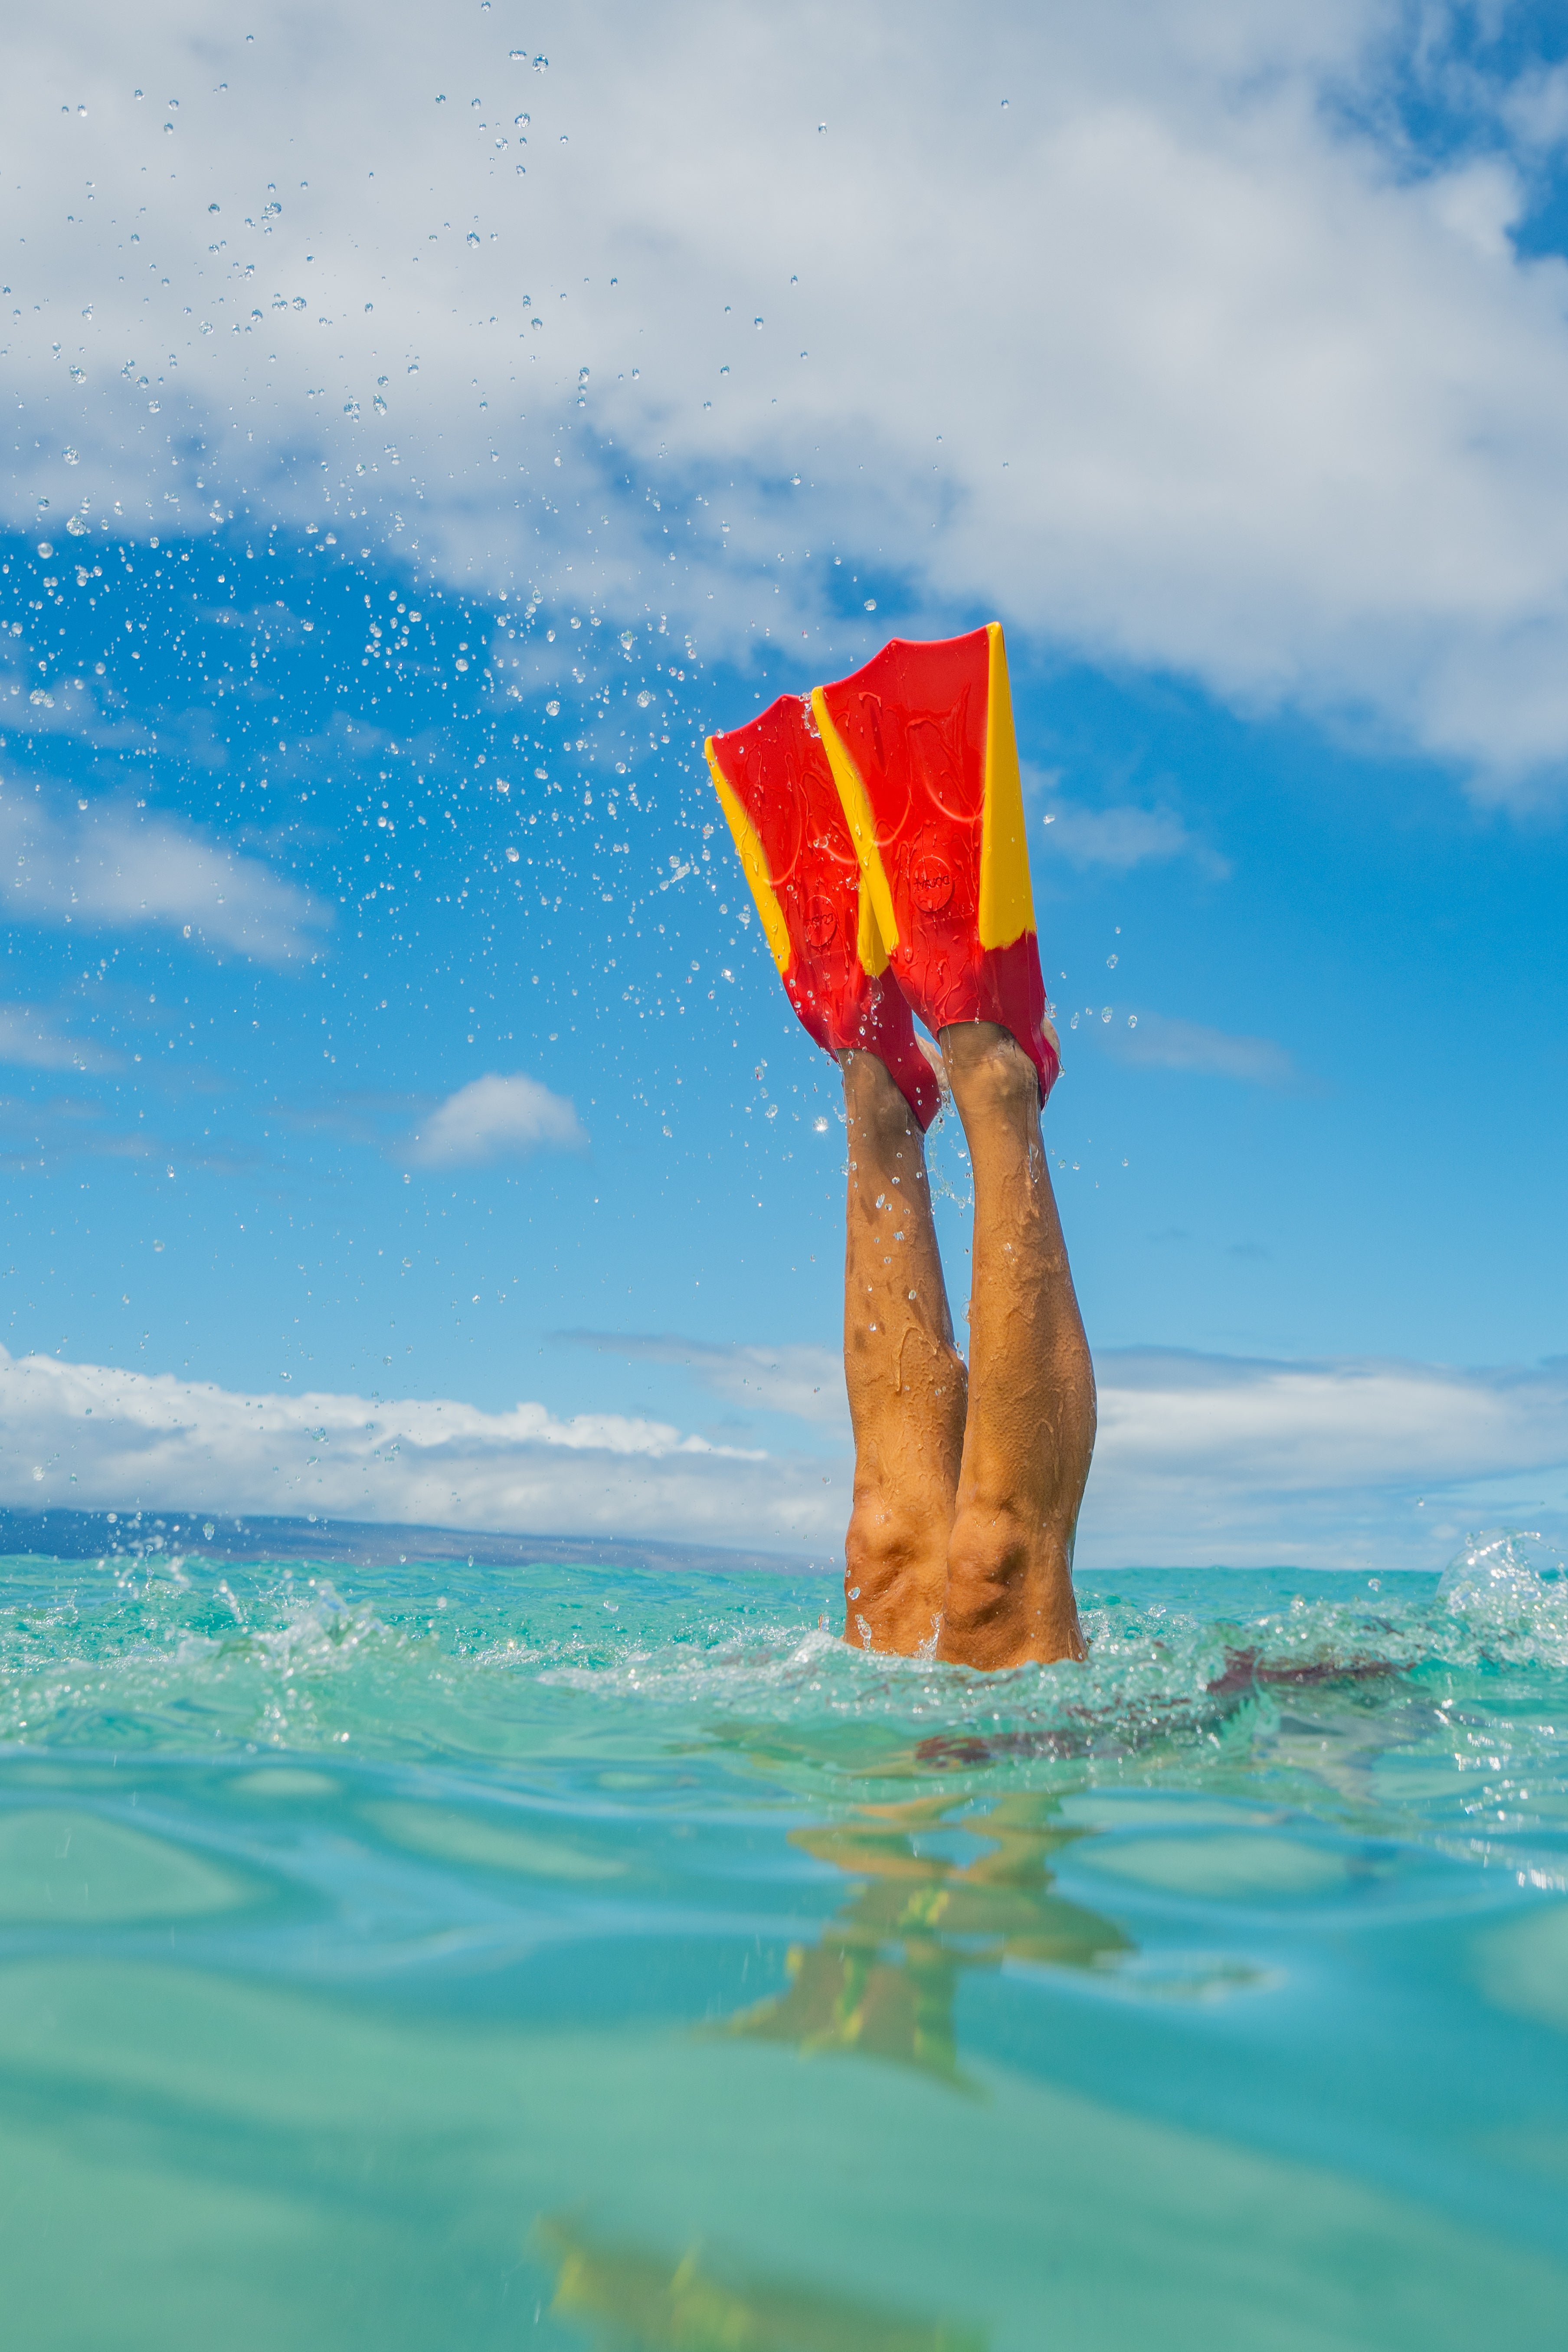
(783, 808)
(921, 749)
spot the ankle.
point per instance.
(987, 1068)
(874, 1106)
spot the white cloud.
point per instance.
(111, 865)
(1340, 1463)
(1341, 1422)
(1122, 839)
(806, 1382)
(87, 1436)
(1536, 108)
(1200, 1459)
(1158, 1044)
(493, 1117)
(29, 1037)
(1183, 360)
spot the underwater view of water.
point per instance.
(443, 1955)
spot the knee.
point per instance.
(989, 1546)
(884, 1540)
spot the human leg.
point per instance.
(1029, 1433)
(905, 1377)
(918, 748)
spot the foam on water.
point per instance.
(404, 1955)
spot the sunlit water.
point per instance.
(492, 1957)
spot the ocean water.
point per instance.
(435, 1956)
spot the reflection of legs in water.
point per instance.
(1030, 1429)
(905, 1378)
(883, 1980)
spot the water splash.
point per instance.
(1505, 1590)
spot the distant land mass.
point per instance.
(346, 1543)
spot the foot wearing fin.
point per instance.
(921, 748)
(778, 795)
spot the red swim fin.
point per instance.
(922, 747)
(778, 791)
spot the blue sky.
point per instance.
(383, 1022)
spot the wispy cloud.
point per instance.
(1122, 837)
(493, 1117)
(115, 867)
(33, 1134)
(66, 706)
(30, 1038)
(806, 1382)
(1159, 1044)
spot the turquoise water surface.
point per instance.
(466, 1956)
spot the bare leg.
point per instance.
(905, 1377)
(1030, 1429)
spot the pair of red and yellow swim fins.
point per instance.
(882, 831)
